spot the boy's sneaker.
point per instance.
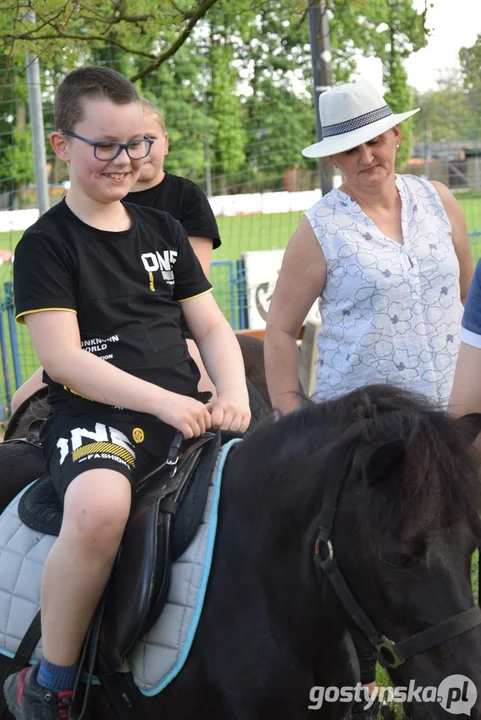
(27, 700)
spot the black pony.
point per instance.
(394, 484)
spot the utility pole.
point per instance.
(36, 122)
(207, 167)
(322, 75)
(426, 141)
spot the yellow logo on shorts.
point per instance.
(138, 435)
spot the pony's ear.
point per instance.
(471, 423)
(377, 461)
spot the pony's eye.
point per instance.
(395, 559)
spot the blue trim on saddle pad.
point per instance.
(213, 518)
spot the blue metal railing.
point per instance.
(17, 370)
(5, 404)
(232, 305)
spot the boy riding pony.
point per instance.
(102, 286)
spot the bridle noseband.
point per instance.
(388, 653)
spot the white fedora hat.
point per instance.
(352, 114)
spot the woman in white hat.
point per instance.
(388, 258)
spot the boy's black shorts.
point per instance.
(131, 443)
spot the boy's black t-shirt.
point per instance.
(126, 288)
(185, 201)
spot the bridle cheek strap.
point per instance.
(444, 630)
(388, 653)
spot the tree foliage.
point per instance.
(17, 162)
(386, 29)
(451, 112)
(446, 113)
(51, 29)
(470, 60)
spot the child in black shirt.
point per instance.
(184, 201)
(102, 287)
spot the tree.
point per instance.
(228, 140)
(15, 142)
(177, 88)
(138, 28)
(376, 28)
(17, 161)
(451, 112)
(470, 61)
(400, 98)
(445, 114)
(258, 91)
(279, 123)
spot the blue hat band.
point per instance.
(357, 122)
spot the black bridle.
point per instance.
(388, 653)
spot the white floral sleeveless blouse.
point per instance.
(390, 312)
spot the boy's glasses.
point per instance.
(106, 150)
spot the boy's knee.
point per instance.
(96, 528)
(96, 519)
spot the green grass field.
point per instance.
(239, 234)
(263, 232)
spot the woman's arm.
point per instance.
(466, 393)
(301, 280)
(460, 237)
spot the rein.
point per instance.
(24, 441)
(32, 438)
(388, 653)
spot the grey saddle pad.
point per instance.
(162, 652)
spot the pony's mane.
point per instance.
(440, 467)
(38, 409)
